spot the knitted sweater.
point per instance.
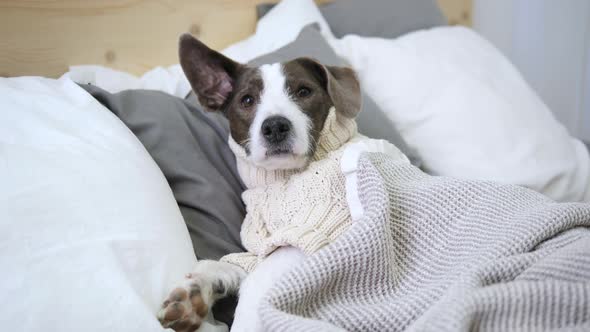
(304, 208)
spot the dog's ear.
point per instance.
(211, 75)
(342, 86)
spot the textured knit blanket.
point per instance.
(440, 254)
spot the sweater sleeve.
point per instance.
(245, 260)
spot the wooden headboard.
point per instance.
(43, 37)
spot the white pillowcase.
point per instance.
(277, 28)
(468, 112)
(91, 237)
(170, 80)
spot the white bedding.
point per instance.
(99, 238)
(468, 112)
(91, 237)
(170, 80)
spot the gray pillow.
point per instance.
(371, 121)
(376, 18)
(190, 147)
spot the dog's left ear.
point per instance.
(342, 86)
(211, 75)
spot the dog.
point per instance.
(277, 115)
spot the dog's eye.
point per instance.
(247, 101)
(303, 92)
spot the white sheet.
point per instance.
(91, 237)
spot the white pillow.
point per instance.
(91, 237)
(277, 28)
(468, 112)
(170, 80)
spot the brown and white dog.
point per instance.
(276, 113)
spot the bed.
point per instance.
(114, 181)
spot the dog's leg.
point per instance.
(187, 305)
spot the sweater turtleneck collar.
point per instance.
(336, 132)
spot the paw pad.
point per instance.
(184, 309)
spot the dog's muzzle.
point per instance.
(276, 130)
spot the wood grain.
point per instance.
(458, 12)
(43, 37)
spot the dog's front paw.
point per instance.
(187, 306)
(184, 309)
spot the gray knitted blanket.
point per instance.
(440, 254)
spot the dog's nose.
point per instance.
(275, 129)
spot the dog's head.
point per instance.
(276, 112)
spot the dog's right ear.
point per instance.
(341, 83)
(211, 75)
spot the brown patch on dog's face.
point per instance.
(222, 85)
(307, 89)
(239, 110)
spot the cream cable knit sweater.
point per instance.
(305, 208)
